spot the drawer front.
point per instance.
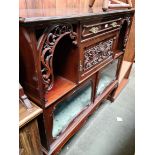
(94, 28)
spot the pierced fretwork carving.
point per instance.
(46, 47)
(97, 53)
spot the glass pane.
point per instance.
(107, 75)
(68, 109)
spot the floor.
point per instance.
(110, 130)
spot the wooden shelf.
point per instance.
(26, 115)
(118, 54)
(60, 88)
(124, 69)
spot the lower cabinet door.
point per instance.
(106, 76)
(68, 109)
(60, 119)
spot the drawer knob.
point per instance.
(106, 25)
(114, 24)
(94, 30)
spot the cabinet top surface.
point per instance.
(37, 10)
(26, 115)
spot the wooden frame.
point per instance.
(109, 4)
(119, 4)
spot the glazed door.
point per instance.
(62, 114)
(68, 109)
(106, 77)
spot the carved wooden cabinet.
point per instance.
(69, 65)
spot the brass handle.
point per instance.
(114, 24)
(94, 30)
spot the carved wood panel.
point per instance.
(46, 46)
(98, 53)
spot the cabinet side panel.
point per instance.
(27, 68)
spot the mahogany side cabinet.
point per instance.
(69, 64)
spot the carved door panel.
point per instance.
(96, 52)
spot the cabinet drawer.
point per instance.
(94, 28)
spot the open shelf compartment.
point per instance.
(65, 72)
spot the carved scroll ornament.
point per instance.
(46, 47)
(97, 53)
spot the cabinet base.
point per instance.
(56, 146)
